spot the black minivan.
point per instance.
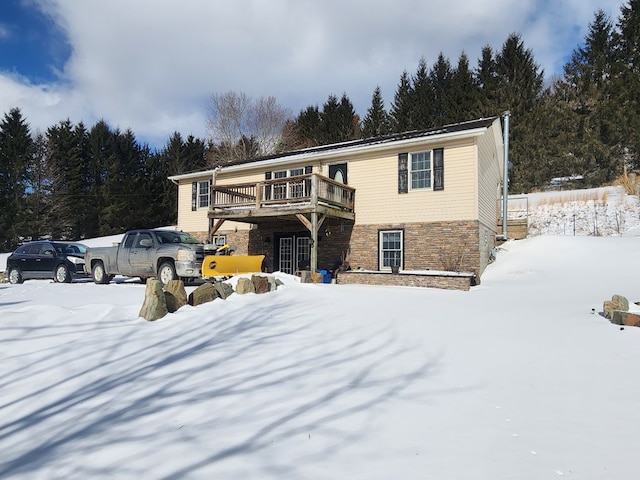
(61, 261)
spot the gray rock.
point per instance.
(273, 283)
(621, 303)
(202, 294)
(154, 305)
(224, 289)
(175, 295)
(608, 307)
(628, 319)
(244, 285)
(260, 284)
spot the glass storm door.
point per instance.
(286, 255)
(303, 253)
(294, 254)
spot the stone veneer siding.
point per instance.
(448, 246)
(461, 246)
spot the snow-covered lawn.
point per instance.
(519, 378)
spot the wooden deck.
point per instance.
(282, 198)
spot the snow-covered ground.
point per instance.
(519, 378)
(602, 211)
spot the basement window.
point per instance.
(390, 249)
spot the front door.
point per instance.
(294, 253)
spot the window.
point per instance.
(391, 249)
(420, 170)
(219, 240)
(296, 188)
(280, 189)
(289, 189)
(204, 193)
(144, 240)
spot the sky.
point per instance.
(152, 65)
(519, 378)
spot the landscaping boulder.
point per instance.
(224, 289)
(617, 302)
(619, 317)
(175, 295)
(202, 294)
(274, 283)
(260, 284)
(620, 302)
(154, 305)
(245, 285)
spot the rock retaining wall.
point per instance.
(444, 280)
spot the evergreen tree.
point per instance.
(35, 221)
(124, 195)
(422, 99)
(464, 95)
(487, 78)
(625, 89)
(377, 121)
(16, 148)
(401, 108)
(441, 87)
(586, 92)
(307, 131)
(338, 121)
(519, 81)
(101, 145)
(330, 121)
(66, 149)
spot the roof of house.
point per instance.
(446, 130)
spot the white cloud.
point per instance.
(152, 65)
(4, 31)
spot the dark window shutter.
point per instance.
(194, 196)
(267, 188)
(438, 169)
(403, 173)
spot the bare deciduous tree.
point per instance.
(240, 127)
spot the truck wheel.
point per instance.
(166, 273)
(99, 275)
(15, 276)
(62, 274)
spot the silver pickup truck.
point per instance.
(164, 254)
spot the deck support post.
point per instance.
(314, 224)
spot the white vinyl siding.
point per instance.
(377, 200)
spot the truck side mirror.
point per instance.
(146, 242)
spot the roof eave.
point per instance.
(316, 156)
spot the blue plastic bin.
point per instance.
(326, 276)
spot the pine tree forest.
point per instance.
(74, 181)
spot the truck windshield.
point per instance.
(176, 237)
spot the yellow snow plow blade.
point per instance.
(227, 265)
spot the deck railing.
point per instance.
(301, 189)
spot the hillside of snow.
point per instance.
(605, 211)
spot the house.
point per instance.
(420, 200)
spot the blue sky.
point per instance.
(152, 65)
(31, 43)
